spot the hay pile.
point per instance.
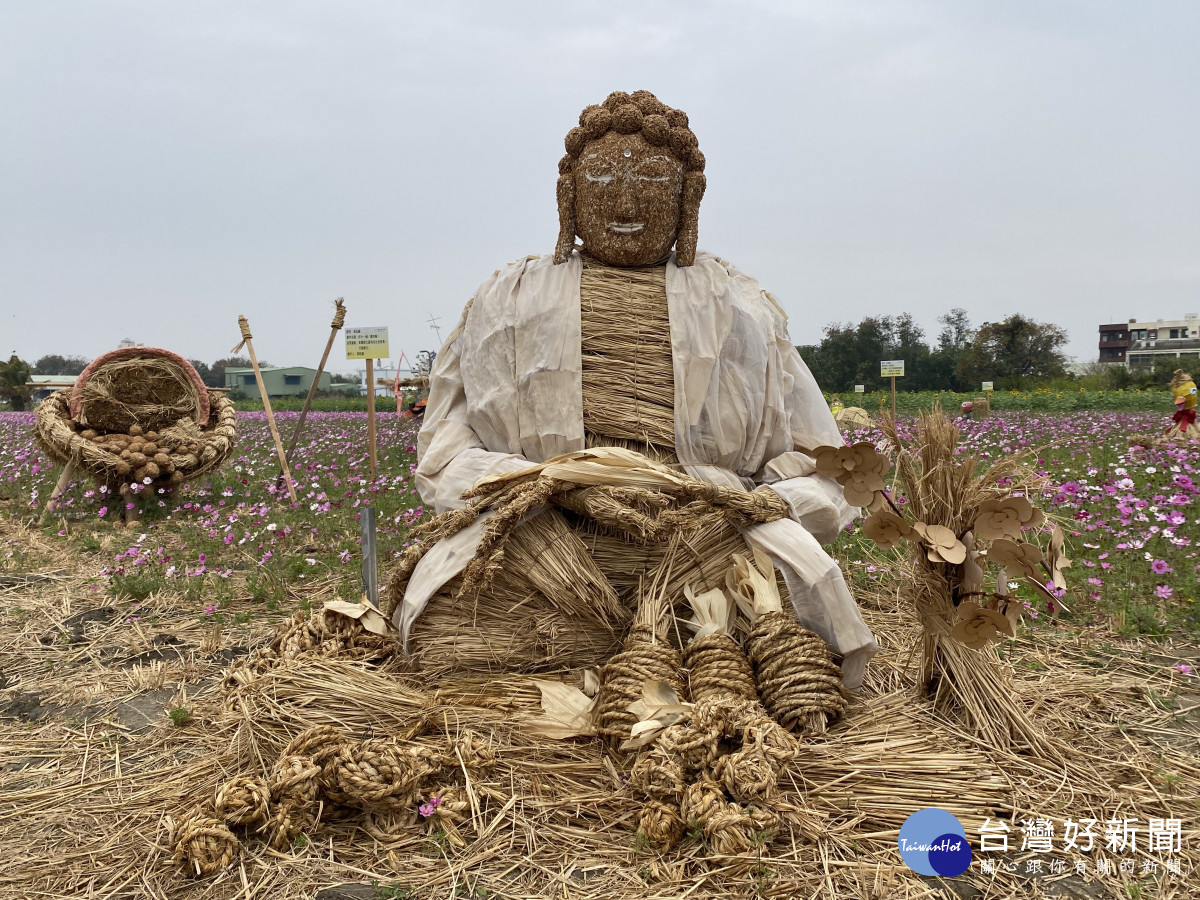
(163, 457)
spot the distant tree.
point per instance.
(957, 333)
(60, 365)
(13, 377)
(850, 354)
(953, 340)
(205, 373)
(218, 368)
(1013, 351)
(339, 378)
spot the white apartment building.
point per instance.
(1139, 344)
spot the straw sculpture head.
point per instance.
(630, 183)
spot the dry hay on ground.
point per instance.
(85, 795)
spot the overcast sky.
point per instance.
(166, 166)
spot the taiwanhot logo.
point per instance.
(933, 842)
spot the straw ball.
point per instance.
(746, 774)
(204, 845)
(661, 824)
(242, 800)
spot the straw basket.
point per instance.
(142, 386)
(162, 457)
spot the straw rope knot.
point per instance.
(701, 801)
(377, 774)
(730, 830)
(339, 314)
(746, 774)
(661, 824)
(475, 754)
(658, 774)
(318, 743)
(203, 844)
(799, 684)
(243, 800)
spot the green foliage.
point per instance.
(319, 404)
(60, 365)
(1067, 397)
(13, 375)
(136, 585)
(180, 716)
(1012, 352)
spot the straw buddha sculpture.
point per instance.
(629, 338)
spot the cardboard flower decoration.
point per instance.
(978, 626)
(887, 529)
(941, 544)
(1055, 560)
(1018, 557)
(858, 469)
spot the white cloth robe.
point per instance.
(507, 391)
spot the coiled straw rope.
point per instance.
(799, 683)
(203, 844)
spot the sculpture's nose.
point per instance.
(626, 206)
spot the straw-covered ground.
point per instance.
(114, 721)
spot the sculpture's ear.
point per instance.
(689, 218)
(566, 217)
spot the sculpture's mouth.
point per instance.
(625, 227)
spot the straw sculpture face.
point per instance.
(628, 196)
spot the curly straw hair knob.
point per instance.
(746, 774)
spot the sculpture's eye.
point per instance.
(600, 174)
(657, 169)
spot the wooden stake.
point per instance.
(371, 413)
(339, 319)
(63, 480)
(893, 397)
(248, 343)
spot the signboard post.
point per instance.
(893, 369)
(369, 344)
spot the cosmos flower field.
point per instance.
(1130, 514)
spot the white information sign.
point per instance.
(987, 385)
(891, 368)
(367, 343)
(859, 388)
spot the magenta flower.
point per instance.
(426, 809)
(1164, 591)
(1184, 668)
(1160, 567)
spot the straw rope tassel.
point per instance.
(248, 343)
(339, 319)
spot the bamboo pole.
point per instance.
(59, 489)
(339, 319)
(247, 342)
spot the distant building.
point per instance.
(1139, 344)
(280, 381)
(128, 342)
(42, 386)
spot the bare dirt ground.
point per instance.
(114, 721)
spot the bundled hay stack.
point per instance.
(854, 418)
(959, 519)
(138, 416)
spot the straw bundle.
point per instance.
(141, 386)
(166, 458)
(716, 665)
(960, 519)
(798, 681)
(628, 367)
(647, 655)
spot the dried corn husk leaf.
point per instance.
(568, 712)
(752, 585)
(367, 616)
(972, 573)
(712, 611)
(1056, 560)
(658, 708)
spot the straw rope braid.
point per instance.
(178, 453)
(661, 824)
(295, 793)
(717, 667)
(797, 680)
(202, 844)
